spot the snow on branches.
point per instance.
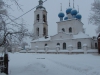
(94, 18)
(10, 30)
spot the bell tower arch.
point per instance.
(40, 21)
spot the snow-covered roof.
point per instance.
(81, 35)
(42, 39)
(78, 36)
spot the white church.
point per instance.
(70, 35)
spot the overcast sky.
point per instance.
(53, 8)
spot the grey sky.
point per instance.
(53, 8)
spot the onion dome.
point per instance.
(74, 12)
(61, 15)
(78, 16)
(68, 10)
(66, 18)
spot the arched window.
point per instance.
(79, 46)
(70, 30)
(63, 29)
(58, 44)
(46, 44)
(38, 17)
(96, 46)
(44, 18)
(38, 31)
(64, 45)
(44, 31)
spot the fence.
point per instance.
(4, 64)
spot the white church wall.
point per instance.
(40, 24)
(38, 11)
(84, 41)
(74, 24)
(93, 44)
(53, 43)
(78, 28)
(39, 44)
(62, 36)
(40, 29)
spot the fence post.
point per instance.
(85, 48)
(36, 49)
(6, 63)
(46, 48)
(57, 48)
(70, 48)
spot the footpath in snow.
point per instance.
(54, 64)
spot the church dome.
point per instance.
(61, 14)
(68, 10)
(66, 18)
(40, 7)
(78, 16)
(74, 12)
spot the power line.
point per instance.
(18, 5)
(12, 20)
(24, 14)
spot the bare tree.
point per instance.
(95, 15)
(10, 32)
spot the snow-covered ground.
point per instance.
(54, 64)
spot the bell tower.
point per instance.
(40, 21)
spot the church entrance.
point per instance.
(64, 46)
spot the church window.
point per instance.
(79, 46)
(38, 17)
(44, 31)
(38, 31)
(96, 46)
(45, 44)
(63, 29)
(70, 30)
(58, 44)
(64, 45)
(44, 18)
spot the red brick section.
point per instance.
(98, 43)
